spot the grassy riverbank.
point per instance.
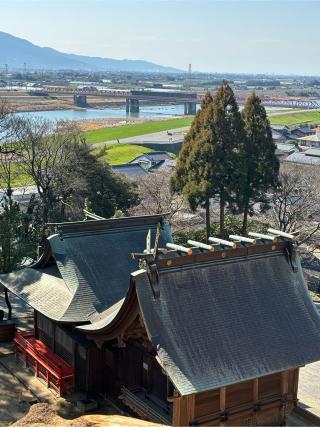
(123, 153)
(295, 118)
(126, 131)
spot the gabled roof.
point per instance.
(93, 265)
(164, 165)
(223, 317)
(131, 170)
(153, 156)
(222, 322)
(286, 148)
(156, 156)
(304, 130)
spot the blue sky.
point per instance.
(214, 36)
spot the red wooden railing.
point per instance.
(46, 365)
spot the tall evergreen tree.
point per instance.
(260, 166)
(228, 136)
(186, 179)
(207, 162)
(14, 243)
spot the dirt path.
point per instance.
(14, 397)
(43, 414)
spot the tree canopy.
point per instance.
(207, 163)
(259, 166)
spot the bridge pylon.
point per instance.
(190, 108)
(80, 100)
(132, 105)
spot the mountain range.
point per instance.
(15, 51)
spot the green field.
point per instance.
(309, 117)
(18, 178)
(118, 154)
(126, 131)
(115, 155)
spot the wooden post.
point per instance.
(223, 391)
(296, 382)
(284, 411)
(284, 382)
(256, 405)
(183, 410)
(256, 390)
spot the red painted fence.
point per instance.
(46, 365)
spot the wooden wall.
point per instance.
(264, 401)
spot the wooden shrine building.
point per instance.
(204, 335)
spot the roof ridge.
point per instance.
(101, 224)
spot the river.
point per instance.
(146, 112)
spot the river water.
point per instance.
(147, 112)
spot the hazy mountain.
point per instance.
(15, 51)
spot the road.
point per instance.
(173, 136)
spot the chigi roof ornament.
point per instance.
(237, 245)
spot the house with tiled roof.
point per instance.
(310, 157)
(151, 159)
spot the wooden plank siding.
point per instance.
(262, 401)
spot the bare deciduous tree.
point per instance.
(40, 147)
(156, 197)
(296, 204)
(13, 236)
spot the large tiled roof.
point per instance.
(43, 289)
(94, 264)
(223, 322)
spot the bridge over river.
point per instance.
(188, 99)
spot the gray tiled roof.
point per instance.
(302, 158)
(131, 170)
(42, 289)
(279, 128)
(164, 165)
(156, 156)
(94, 261)
(315, 152)
(223, 322)
(153, 156)
(286, 147)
